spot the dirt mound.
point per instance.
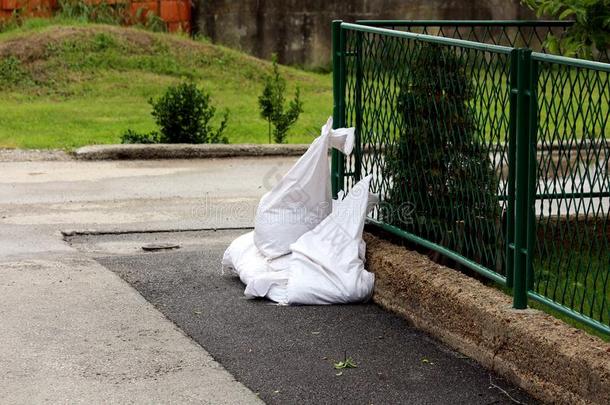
(48, 59)
(31, 47)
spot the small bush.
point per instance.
(183, 114)
(271, 103)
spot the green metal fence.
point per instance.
(494, 156)
(527, 34)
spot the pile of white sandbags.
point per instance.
(305, 247)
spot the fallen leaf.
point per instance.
(347, 363)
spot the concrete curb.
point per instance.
(69, 233)
(185, 151)
(554, 362)
(34, 155)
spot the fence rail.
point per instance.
(494, 156)
(530, 34)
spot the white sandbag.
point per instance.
(302, 198)
(326, 265)
(243, 259)
(272, 285)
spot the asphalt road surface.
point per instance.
(287, 354)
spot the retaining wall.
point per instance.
(299, 30)
(551, 360)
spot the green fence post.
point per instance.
(533, 167)
(512, 141)
(358, 113)
(522, 177)
(338, 54)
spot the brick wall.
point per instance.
(176, 13)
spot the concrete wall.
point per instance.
(299, 30)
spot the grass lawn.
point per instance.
(577, 277)
(67, 85)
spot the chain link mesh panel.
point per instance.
(571, 259)
(432, 121)
(525, 34)
(517, 34)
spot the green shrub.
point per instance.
(271, 103)
(438, 168)
(184, 113)
(590, 34)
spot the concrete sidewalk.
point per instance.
(72, 331)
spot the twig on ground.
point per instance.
(504, 391)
